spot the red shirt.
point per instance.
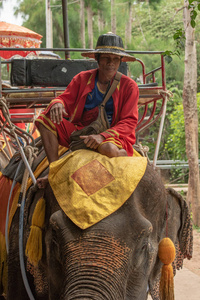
(125, 100)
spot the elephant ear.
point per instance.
(184, 243)
(181, 233)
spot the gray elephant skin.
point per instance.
(115, 259)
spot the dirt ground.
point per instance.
(187, 280)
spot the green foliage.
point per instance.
(33, 13)
(176, 140)
(149, 137)
(196, 228)
(153, 30)
(179, 175)
(179, 35)
(158, 24)
(5, 73)
(179, 38)
(194, 6)
(172, 144)
(154, 3)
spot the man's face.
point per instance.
(109, 64)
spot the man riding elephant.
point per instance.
(77, 107)
(113, 254)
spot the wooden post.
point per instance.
(65, 27)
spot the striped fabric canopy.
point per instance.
(15, 36)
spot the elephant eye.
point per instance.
(146, 246)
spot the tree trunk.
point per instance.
(101, 22)
(129, 27)
(90, 26)
(191, 118)
(126, 36)
(82, 17)
(113, 17)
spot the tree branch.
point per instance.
(177, 11)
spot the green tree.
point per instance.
(33, 15)
(176, 139)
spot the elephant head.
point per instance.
(117, 258)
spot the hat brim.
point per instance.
(125, 57)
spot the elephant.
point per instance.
(115, 259)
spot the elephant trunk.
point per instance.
(95, 268)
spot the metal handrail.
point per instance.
(169, 164)
(76, 50)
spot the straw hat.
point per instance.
(109, 43)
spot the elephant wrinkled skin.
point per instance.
(116, 259)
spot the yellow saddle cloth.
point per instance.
(89, 186)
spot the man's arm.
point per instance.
(64, 104)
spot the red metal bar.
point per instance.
(143, 69)
(152, 88)
(143, 116)
(148, 124)
(150, 117)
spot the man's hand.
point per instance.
(57, 112)
(92, 141)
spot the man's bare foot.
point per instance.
(42, 182)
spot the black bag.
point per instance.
(101, 124)
(95, 127)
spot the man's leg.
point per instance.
(50, 143)
(111, 150)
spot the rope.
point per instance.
(30, 153)
(13, 128)
(142, 149)
(5, 154)
(5, 110)
(167, 94)
(8, 206)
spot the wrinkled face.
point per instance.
(108, 64)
